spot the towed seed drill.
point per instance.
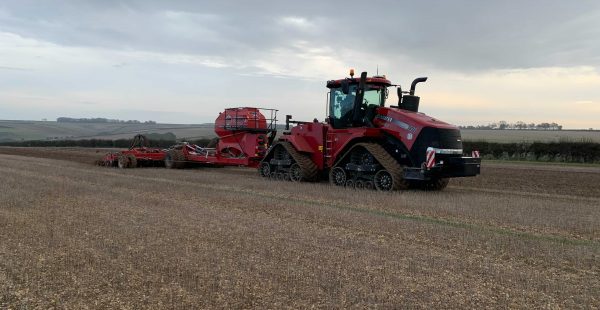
(244, 135)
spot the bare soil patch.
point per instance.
(78, 236)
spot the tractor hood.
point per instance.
(407, 126)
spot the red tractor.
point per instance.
(364, 144)
(244, 135)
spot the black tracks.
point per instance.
(310, 172)
(386, 160)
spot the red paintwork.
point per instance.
(415, 120)
(242, 136)
(308, 138)
(369, 80)
(146, 153)
(343, 138)
(140, 153)
(233, 119)
(326, 144)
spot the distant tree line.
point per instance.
(572, 152)
(100, 120)
(502, 125)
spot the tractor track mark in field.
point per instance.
(339, 206)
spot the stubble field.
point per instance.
(78, 236)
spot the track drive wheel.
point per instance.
(264, 169)
(383, 181)
(296, 173)
(337, 176)
(307, 167)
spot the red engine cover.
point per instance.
(406, 125)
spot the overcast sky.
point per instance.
(183, 61)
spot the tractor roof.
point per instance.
(381, 80)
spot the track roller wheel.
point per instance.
(383, 181)
(337, 176)
(350, 184)
(369, 185)
(264, 170)
(359, 184)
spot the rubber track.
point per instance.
(310, 172)
(387, 161)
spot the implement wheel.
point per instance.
(170, 160)
(123, 162)
(133, 163)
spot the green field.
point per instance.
(508, 136)
(50, 130)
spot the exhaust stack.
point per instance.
(410, 102)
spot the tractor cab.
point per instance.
(353, 102)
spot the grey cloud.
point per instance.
(452, 35)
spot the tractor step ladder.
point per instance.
(329, 145)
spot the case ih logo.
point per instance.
(402, 125)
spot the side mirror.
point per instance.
(399, 90)
(345, 87)
(287, 122)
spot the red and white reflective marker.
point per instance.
(430, 158)
(475, 154)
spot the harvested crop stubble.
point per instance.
(77, 236)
